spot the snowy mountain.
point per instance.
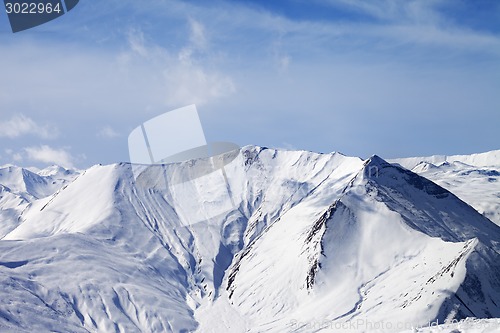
(488, 159)
(19, 187)
(275, 241)
(473, 178)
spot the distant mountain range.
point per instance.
(274, 241)
(473, 178)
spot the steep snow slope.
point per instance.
(473, 178)
(147, 225)
(381, 253)
(277, 241)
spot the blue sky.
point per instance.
(393, 78)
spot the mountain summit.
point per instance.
(274, 241)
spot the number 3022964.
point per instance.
(32, 8)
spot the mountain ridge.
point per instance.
(262, 248)
(486, 159)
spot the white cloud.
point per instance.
(49, 155)
(108, 132)
(198, 36)
(17, 157)
(20, 125)
(187, 77)
(412, 22)
(136, 42)
(201, 54)
(188, 81)
(413, 11)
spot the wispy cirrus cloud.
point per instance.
(410, 11)
(413, 22)
(186, 75)
(267, 76)
(21, 125)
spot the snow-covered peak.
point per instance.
(425, 166)
(408, 193)
(272, 240)
(31, 185)
(56, 171)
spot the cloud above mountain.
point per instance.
(49, 155)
